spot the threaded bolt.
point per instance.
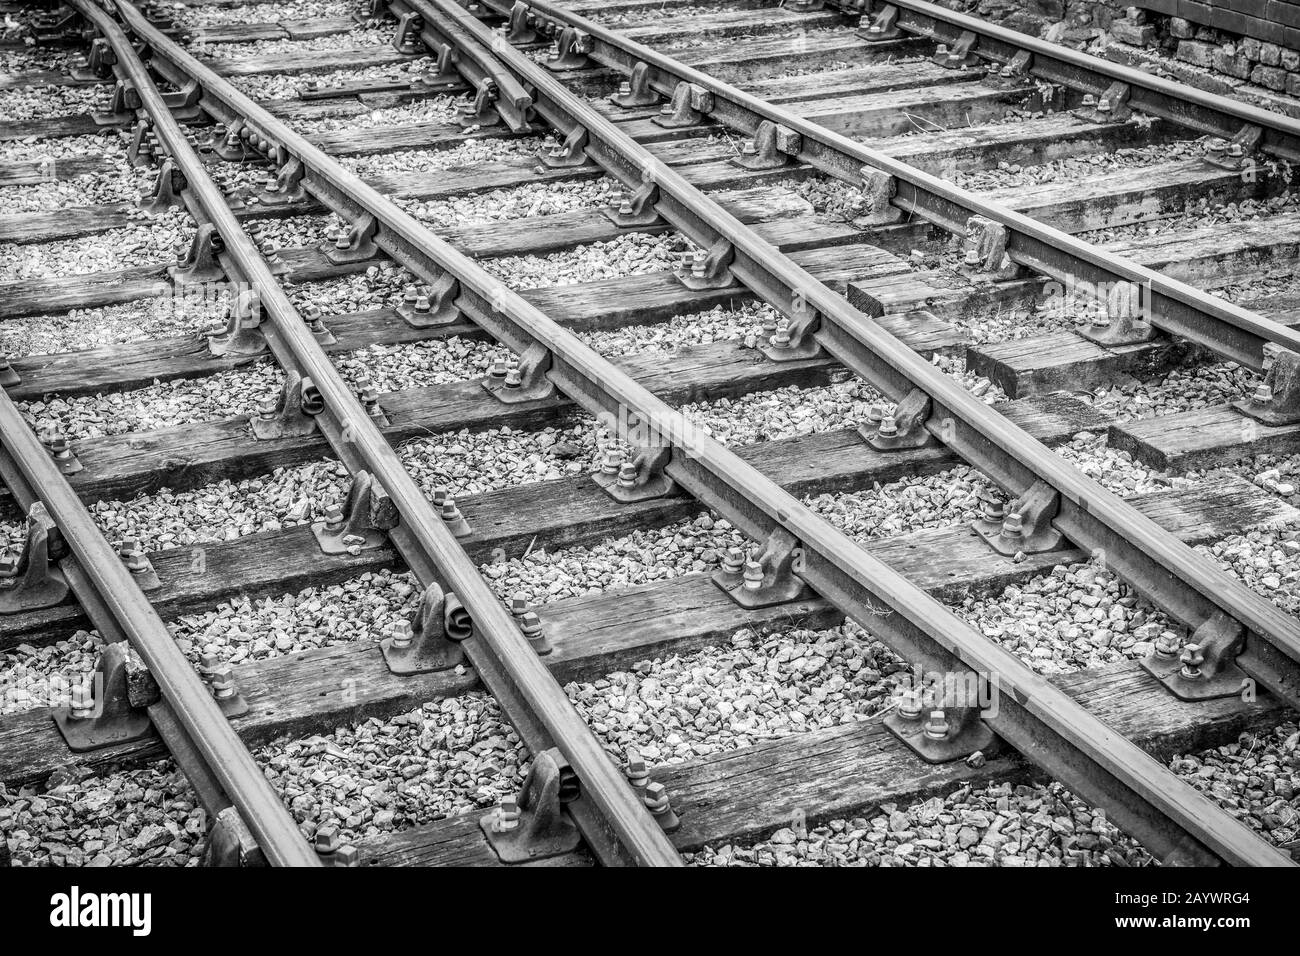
(1192, 658)
(888, 427)
(991, 508)
(612, 463)
(422, 304)
(1013, 525)
(753, 575)
(333, 517)
(82, 701)
(532, 627)
(698, 262)
(627, 475)
(514, 377)
(733, 562)
(327, 839)
(1167, 645)
(519, 605)
(625, 88)
(781, 338)
(936, 728)
(507, 817)
(909, 704)
(656, 800)
(223, 682)
(402, 635)
(638, 774)
(1263, 395)
(450, 512)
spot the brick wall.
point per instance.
(1269, 21)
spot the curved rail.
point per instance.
(1039, 719)
(612, 817)
(1175, 307)
(1185, 583)
(113, 600)
(1176, 102)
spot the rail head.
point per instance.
(613, 818)
(1182, 310)
(838, 568)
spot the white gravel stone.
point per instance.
(434, 111)
(47, 102)
(205, 15)
(626, 255)
(70, 331)
(354, 39)
(286, 86)
(1076, 168)
(468, 154)
(124, 186)
(1183, 389)
(108, 144)
(996, 825)
(161, 240)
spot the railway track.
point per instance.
(274, 197)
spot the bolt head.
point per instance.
(327, 838)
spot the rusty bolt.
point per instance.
(733, 562)
(333, 517)
(1192, 658)
(627, 475)
(753, 575)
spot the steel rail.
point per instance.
(206, 746)
(1183, 105)
(1047, 725)
(1174, 307)
(610, 814)
(511, 100)
(1185, 583)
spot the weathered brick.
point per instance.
(1195, 52)
(1290, 60)
(1270, 54)
(1137, 34)
(1180, 28)
(1233, 64)
(1293, 84)
(1250, 48)
(1271, 76)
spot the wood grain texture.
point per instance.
(297, 694)
(1202, 438)
(567, 512)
